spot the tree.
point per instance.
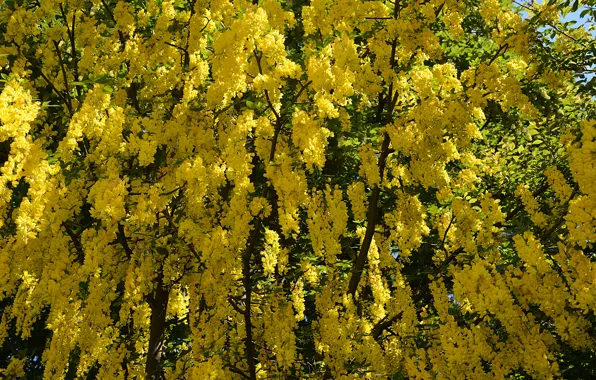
(333, 189)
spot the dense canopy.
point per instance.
(285, 189)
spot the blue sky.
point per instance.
(586, 22)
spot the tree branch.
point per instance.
(54, 89)
(374, 197)
(65, 77)
(123, 242)
(384, 324)
(76, 242)
(371, 220)
(258, 58)
(71, 36)
(158, 302)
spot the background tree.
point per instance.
(333, 189)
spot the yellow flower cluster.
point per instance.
(328, 217)
(531, 205)
(408, 224)
(310, 136)
(175, 180)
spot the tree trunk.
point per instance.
(158, 301)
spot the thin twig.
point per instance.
(258, 58)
